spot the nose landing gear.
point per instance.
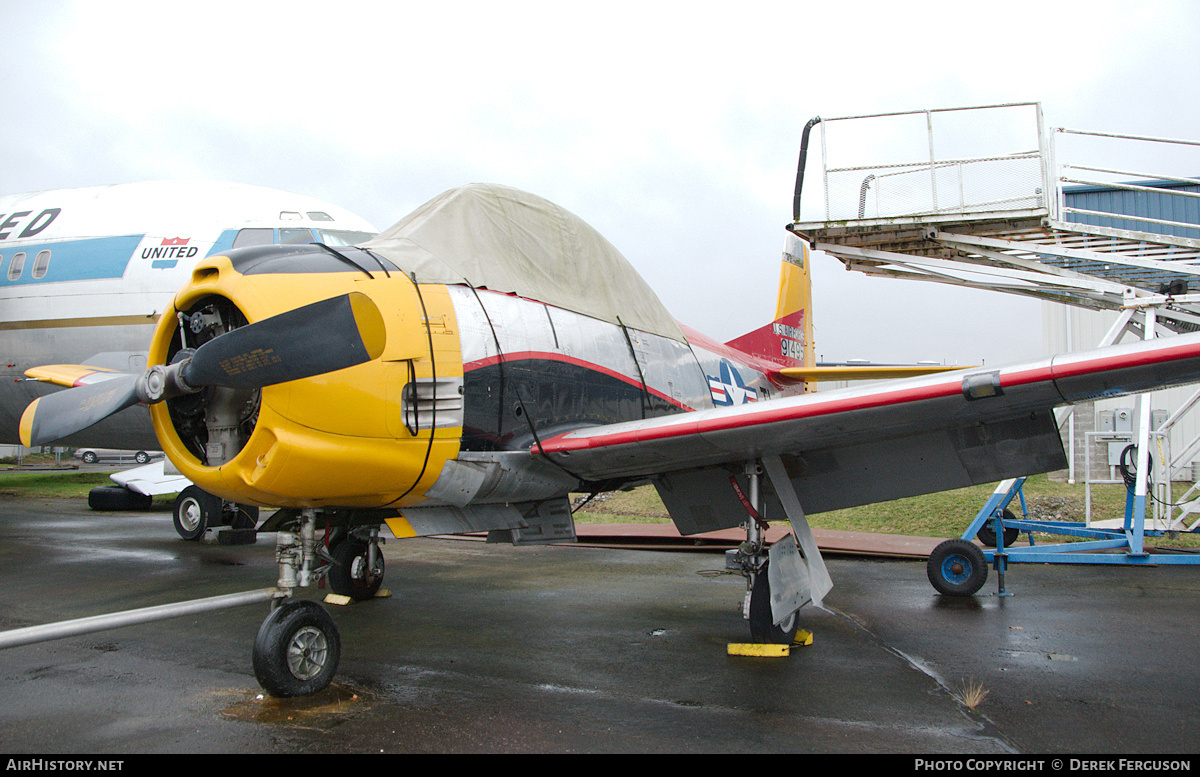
(297, 650)
(298, 647)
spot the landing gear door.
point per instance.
(788, 576)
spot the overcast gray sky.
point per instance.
(673, 128)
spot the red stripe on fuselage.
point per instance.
(743, 359)
(763, 413)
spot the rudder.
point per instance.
(786, 341)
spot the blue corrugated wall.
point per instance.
(1150, 204)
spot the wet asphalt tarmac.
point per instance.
(491, 648)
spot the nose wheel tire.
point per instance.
(297, 650)
(957, 568)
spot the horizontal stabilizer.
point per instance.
(863, 372)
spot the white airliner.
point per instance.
(85, 274)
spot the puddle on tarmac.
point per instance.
(257, 707)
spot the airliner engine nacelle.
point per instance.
(371, 435)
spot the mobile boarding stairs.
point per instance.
(977, 197)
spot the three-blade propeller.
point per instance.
(312, 340)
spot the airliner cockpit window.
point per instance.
(295, 236)
(254, 237)
(341, 237)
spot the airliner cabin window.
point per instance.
(40, 264)
(16, 265)
(254, 237)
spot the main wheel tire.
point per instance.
(351, 574)
(118, 498)
(987, 532)
(297, 650)
(957, 568)
(194, 511)
(762, 623)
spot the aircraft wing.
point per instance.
(885, 441)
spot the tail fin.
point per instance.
(788, 340)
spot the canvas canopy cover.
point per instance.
(506, 240)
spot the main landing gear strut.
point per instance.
(752, 559)
(782, 578)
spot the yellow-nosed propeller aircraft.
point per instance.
(490, 354)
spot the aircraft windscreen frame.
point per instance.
(341, 237)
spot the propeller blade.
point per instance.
(322, 337)
(57, 415)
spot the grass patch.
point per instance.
(945, 514)
(970, 694)
(51, 484)
(641, 505)
(68, 484)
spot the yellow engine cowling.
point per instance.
(350, 438)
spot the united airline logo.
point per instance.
(168, 253)
(170, 248)
(729, 389)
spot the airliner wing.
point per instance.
(885, 441)
(71, 375)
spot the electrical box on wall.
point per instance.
(1121, 420)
